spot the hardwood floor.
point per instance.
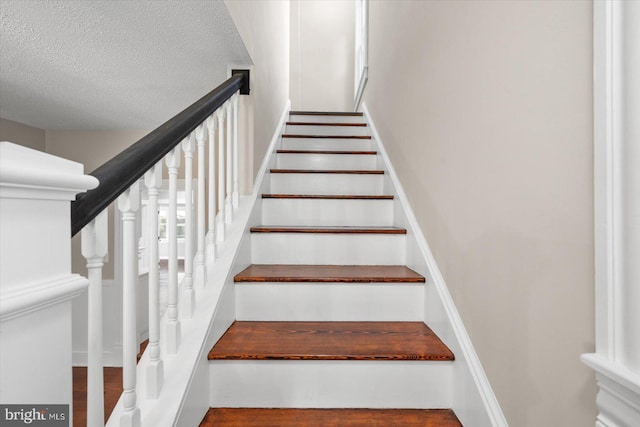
(112, 392)
(257, 417)
(330, 341)
(329, 273)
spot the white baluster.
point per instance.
(211, 235)
(201, 269)
(155, 371)
(220, 224)
(188, 299)
(229, 181)
(236, 170)
(94, 249)
(129, 203)
(173, 324)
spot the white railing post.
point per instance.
(236, 169)
(173, 324)
(211, 205)
(129, 203)
(220, 223)
(201, 269)
(155, 370)
(188, 295)
(94, 249)
(229, 180)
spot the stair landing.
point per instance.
(274, 417)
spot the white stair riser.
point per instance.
(327, 161)
(329, 302)
(330, 384)
(329, 212)
(326, 130)
(327, 183)
(340, 144)
(320, 248)
(325, 119)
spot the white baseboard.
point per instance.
(480, 380)
(272, 146)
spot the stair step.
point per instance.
(329, 230)
(330, 341)
(302, 181)
(328, 273)
(327, 210)
(325, 113)
(326, 152)
(327, 171)
(328, 196)
(291, 417)
(325, 124)
(367, 248)
(302, 136)
(327, 143)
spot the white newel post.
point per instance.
(94, 248)
(616, 361)
(155, 370)
(236, 161)
(201, 269)
(173, 324)
(228, 207)
(188, 295)
(129, 204)
(36, 283)
(211, 205)
(220, 223)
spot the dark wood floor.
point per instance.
(257, 417)
(328, 273)
(330, 341)
(112, 392)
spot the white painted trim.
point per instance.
(272, 146)
(480, 379)
(619, 392)
(37, 296)
(616, 101)
(364, 78)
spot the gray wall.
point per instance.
(489, 126)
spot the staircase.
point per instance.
(329, 320)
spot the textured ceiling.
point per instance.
(105, 64)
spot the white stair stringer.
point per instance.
(327, 212)
(327, 183)
(325, 248)
(367, 302)
(326, 130)
(330, 383)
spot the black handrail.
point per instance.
(122, 171)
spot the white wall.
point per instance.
(264, 28)
(485, 111)
(322, 55)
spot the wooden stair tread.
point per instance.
(288, 135)
(326, 196)
(326, 152)
(293, 417)
(330, 171)
(328, 230)
(330, 341)
(326, 124)
(328, 273)
(324, 113)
